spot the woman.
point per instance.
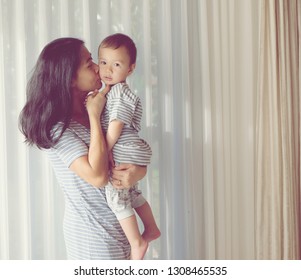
(61, 118)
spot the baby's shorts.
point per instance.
(122, 201)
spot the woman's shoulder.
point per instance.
(73, 131)
(71, 143)
(72, 126)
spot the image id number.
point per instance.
(212, 270)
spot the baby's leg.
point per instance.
(120, 203)
(151, 230)
(138, 244)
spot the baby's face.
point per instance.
(114, 65)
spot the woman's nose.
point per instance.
(96, 67)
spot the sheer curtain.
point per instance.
(196, 76)
(223, 81)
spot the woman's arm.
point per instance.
(93, 167)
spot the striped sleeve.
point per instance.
(122, 104)
(70, 147)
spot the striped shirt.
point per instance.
(122, 104)
(91, 229)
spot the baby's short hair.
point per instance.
(118, 40)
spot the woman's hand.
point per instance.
(125, 175)
(96, 101)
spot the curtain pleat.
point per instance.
(4, 232)
(278, 133)
(297, 106)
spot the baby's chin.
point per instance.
(108, 81)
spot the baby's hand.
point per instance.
(95, 101)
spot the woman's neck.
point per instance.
(79, 112)
(82, 120)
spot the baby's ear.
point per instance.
(132, 68)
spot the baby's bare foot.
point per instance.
(150, 235)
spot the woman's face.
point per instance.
(87, 78)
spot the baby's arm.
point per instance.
(113, 133)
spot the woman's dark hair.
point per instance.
(49, 92)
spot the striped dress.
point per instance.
(91, 229)
(122, 104)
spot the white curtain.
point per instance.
(196, 76)
(223, 53)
